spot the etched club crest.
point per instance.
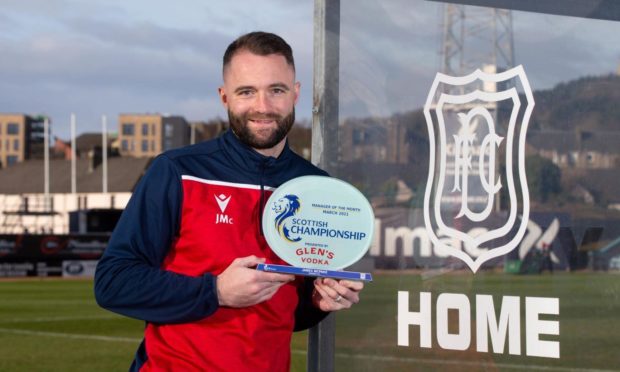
(476, 196)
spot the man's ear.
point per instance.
(223, 96)
(297, 88)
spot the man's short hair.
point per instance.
(259, 43)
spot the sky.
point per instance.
(391, 51)
(96, 57)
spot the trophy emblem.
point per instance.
(318, 225)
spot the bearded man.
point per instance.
(182, 255)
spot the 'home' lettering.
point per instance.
(506, 329)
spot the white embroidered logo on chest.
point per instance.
(222, 201)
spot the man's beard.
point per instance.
(239, 125)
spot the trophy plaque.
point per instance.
(318, 225)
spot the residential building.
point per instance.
(21, 138)
(86, 145)
(579, 149)
(205, 130)
(364, 139)
(147, 135)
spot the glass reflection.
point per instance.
(566, 250)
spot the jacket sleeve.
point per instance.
(306, 314)
(129, 279)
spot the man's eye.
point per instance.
(278, 91)
(245, 92)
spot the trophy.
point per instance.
(318, 225)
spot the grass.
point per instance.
(589, 323)
(55, 325)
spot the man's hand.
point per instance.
(333, 295)
(240, 285)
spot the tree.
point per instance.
(543, 178)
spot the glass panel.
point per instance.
(128, 129)
(487, 143)
(12, 128)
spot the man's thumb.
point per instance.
(248, 261)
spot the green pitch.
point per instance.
(55, 325)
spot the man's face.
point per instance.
(260, 94)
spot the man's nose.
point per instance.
(263, 103)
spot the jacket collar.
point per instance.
(249, 159)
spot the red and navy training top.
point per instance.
(194, 211)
